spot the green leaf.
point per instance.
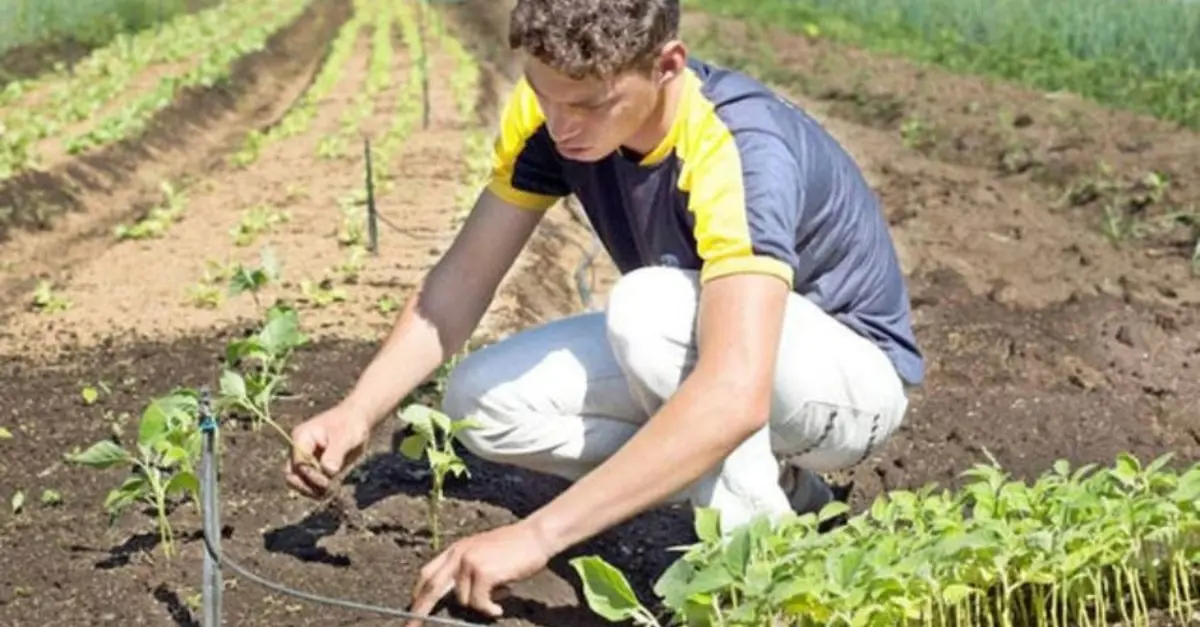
(184, 483)
(121, 497)
(440, 459)
(711, 578)
(5, 434)
(607, 591)
(281, 333)
(153, 426)
(441, 422)
(832, 510)
(420, 418)
(708, 524)
(956, 593)
(672, 584)
(102, 454)
(89, 394)
(18, 501)
(413, 447)
(464, 424)
(233, 385)
(737, 553)
(51, 497)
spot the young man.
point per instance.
(760, 332)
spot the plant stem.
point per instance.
(435, 504)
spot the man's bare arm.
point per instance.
(726, 399)
(440, 316)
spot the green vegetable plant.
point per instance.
(433, 438)
(1086, 547)
(609, 594)
(163, 461)
(156, 222)
(255, 366)
(253, 280)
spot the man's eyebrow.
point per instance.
(592, 100)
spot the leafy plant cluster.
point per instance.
(380, 15)
(213, 67)
(300, 117)
(163, 459)
(207, 41)
(408, 108)
(1086, 546)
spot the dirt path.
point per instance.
(90, 196)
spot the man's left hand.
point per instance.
(476, 565)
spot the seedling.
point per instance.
(51, 498)
(263, 357)
(256, 220)
(321, 293)
(1079, 546)
(45, 300)
(433, 438)
(163, 460)
(253, 280)
(157, 220)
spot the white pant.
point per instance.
(562, 397)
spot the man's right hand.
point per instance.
(336, 438)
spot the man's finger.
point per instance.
(315, 478)
(299, 483)
(481, 595)
(434, 584)
(462, 587)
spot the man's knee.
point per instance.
(471, 391)
(650, 318)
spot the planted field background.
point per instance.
(182, 204)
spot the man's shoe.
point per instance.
(809, 493)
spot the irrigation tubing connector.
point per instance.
(214, 559)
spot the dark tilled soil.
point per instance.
(76, 570)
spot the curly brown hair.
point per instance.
(593, 38)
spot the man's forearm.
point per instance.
(697, 428)
(436, 321)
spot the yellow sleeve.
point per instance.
(525, 168)
(741, 193)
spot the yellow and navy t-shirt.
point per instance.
(745, 181)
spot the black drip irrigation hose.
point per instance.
(212, 588)
(589, 259)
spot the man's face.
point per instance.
(589, 119)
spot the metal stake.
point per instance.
(212, 586)
(372, 216)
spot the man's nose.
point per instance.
(563, 125)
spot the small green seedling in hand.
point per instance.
(434, 438)
(163, 460)
(266, 354)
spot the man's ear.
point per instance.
(672, 60)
